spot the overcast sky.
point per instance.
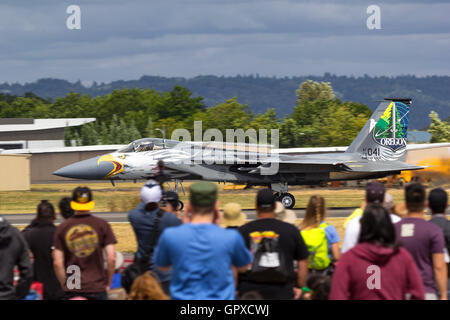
(130, 38)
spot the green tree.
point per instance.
(149, 128)
(311, 91)
(123, 132)
(227, 115)
(77, 138)
(179, 104)
(440, 130)
(290, 134)
(133, 132)
(114, 130)
(105, 136)
(89, 135)
(341, 127)
(266, 121)
(68, 136)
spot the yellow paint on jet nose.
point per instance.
(118, 166)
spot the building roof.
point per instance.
(43, 124)
(108, 147)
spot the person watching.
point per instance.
(200, 252)
(377, 268)
(425, 242)
(79, 243)
(39, 236)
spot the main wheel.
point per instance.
(181, 205)
(287, 199)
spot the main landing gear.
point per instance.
(282, 194)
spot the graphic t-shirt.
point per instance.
(290, 244)
(421, 238)
(201, 256)
(82, 239)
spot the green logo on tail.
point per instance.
(391, 129)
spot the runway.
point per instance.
(121, 217)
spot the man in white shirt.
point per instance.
(353, 227)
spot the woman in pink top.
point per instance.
(377, 268)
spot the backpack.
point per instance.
(142, 265)
(316, 241)
(269, 263)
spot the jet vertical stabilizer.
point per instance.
(384, 136)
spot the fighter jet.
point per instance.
(379, 150)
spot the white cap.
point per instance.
(151, 192)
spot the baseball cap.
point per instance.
(82, 199)
(375, 192)
(203, 194)
(151, 192)
(233, 215)
(283, 214)
(171, 197)
(265, 199)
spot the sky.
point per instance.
(123, 40)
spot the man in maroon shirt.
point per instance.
(425, 242)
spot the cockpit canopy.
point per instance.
(148, 144)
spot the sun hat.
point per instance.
(233, 215)
(283, 214)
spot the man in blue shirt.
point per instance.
(142, 219)
(200, 252)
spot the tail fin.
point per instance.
(384, 136)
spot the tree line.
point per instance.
(260, 93)
(318, 117)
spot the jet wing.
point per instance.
(352, 165)
(381, 166)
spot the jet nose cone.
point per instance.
(86, 169)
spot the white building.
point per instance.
(26, 133)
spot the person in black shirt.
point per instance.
(13, 252)
(438, 203)
(39, 236)
(291, 249)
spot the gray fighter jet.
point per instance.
(379, 150)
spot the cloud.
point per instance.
(124, 40)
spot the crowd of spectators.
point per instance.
(195, 251)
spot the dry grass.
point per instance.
(125, 196)
(126, 240)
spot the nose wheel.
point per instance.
(287, 199)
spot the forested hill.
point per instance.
(428, 93)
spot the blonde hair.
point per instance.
(315, 212)
(146, 287)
